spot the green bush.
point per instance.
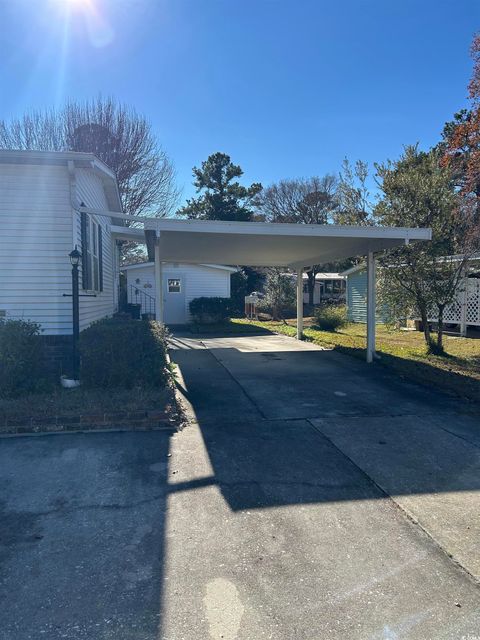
(21, 358)
(121, 352)
(330, 318)
(210, 310)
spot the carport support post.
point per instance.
(371, 305)
(300, 304)
(158, 286)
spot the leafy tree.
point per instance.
(461, 142)
(354, 199)
(243, 282)
(302, 200)
(223, 197)
(279, 293)
(417, 191)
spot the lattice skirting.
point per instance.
(466, 307)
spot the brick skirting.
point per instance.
(136, 420)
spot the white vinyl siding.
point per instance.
(35, 240)
(205, 282)
(38, 229)
(198, 280)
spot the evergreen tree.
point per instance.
(222, 197)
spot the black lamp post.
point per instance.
(75, 257)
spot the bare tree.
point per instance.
(302, 200)
(115, 133)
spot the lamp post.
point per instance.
(75, 257)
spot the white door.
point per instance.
(174, 310)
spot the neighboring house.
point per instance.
(356, 294)
(463, 312)
(181, 284)
(40, 224)
(329, 287)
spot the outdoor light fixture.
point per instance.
(75, 257)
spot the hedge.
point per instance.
(125, 353)
(210, 310)
(22, 362)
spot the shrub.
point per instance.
(121, 352)
(210, 310)
(21, 358)
(330, 317)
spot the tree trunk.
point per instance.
(439, 345)
(426, 328)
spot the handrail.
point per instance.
(146, 301)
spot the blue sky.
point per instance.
(287, 88)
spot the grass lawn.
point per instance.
(402, 351)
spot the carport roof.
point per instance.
(268, 244)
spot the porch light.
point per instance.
(75, 257)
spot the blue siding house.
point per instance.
(356, 278)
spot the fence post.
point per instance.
(463, 305)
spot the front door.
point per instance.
(174, 310)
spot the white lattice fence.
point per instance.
(472, 311)
(466, 308)
(453, 312)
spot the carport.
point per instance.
(264, 244)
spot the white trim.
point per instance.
(150, 263)
(299, 304)
(355, 269)
(455, 258)
(371, 306)
(158, 287)
(90, 160)
(287, 229)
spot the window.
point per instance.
(174, 285)
(92, 254)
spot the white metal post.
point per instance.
(299, 304)
(464, 300)
(371, 306)
(158, 286)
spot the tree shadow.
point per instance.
(255, 412)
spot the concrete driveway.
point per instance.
(311, 497)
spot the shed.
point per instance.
(181, 284)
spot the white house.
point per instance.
(328, 286)
(43, 201)
(52, 201)
(40, 224)
(181, 284)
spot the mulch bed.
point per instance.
(122, 410)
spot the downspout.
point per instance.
(73, 197)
